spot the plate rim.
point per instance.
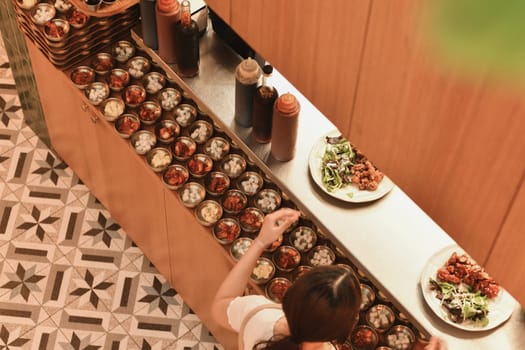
(386, 184)
(433, 303)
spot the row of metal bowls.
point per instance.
(44, 14)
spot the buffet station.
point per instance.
(191, 187)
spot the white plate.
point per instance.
(500, 308)
(357, 195)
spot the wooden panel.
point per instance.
(306, 40)
(455, 145)
(222, 8)
(507, 260)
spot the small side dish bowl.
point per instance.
(300, 271)
(56, 29)
(149, 112)
(263, 271)
(167, 130)
(380, 317)
(42, 13)
(175, 176)
(251, 219)
(400, 337)
(250, 183)
(97, 92)
(276, 288)
(303, 238)
(208, 212)
(26, 4)
(239, 247)
(159, 158)
(143, 141)
(77, 19)
(368, 296)
(134, 95)
(191, 194)
(268, 200)
(286, 258)
(199, 165)
(226, 230)
(183, 148)
(153, 82)
(112, 108)
(233, 165)
(127, 125)
(118, 79)
(102, 63)
(364, 338)
(234, 201)
(138, 66)
(82, 76)
(185, 114)
(123, 50)
(217, 147)
(63, 6)
(169, 98)
(200, 131)
(217, 183)
(321, 255)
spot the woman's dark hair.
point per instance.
(322, 305)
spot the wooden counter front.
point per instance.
(169, 235)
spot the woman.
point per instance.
(318, 310)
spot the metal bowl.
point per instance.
(276, 288)
(143, 141)
(321, 255)
(199, 165)
(300, 271)
(234, 201)
(27, 4)
(286, 258)
(380, 317)
(112, 108)
(303, 238)
(134, 95)
(200, 131)
(191, 194)
(82, 76)
(118, 79)
(169, 98)
(42, 13)
(217, 183)
(250, 183)
(175, 176)
(63, 6)
(56, 29)
(217, 147)
(183, 148)
(97, 92)
(149, 112)
(153, 82)
(159, 158)
(251, 219)
(364, 338)
(226, 230)
(263, 271)
(102, 63)
(233, 165)
(127, 125)
(123, 50)
(208, 212)
(77, 19)
(185, 114)
(166, 131)
(368, 296)
(400, 337)
(239, 247)
(138, 66)
(268, 200)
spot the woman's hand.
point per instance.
(275, 224)
(436, 344)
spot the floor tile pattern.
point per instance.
(70, 277)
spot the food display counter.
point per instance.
(388, 241)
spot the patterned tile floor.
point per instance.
(70, 278)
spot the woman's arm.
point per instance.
(235, 282)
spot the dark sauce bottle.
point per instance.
(187, 43)
(263, 100)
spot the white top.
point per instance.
(260, 326)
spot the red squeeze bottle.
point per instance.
(285, 122)
(167, 15)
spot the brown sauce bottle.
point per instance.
(284, 129)
(187, 43)
(263, 101)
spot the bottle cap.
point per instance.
(287, 104)
(168, 6)
(267, 69)
(248, 71)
